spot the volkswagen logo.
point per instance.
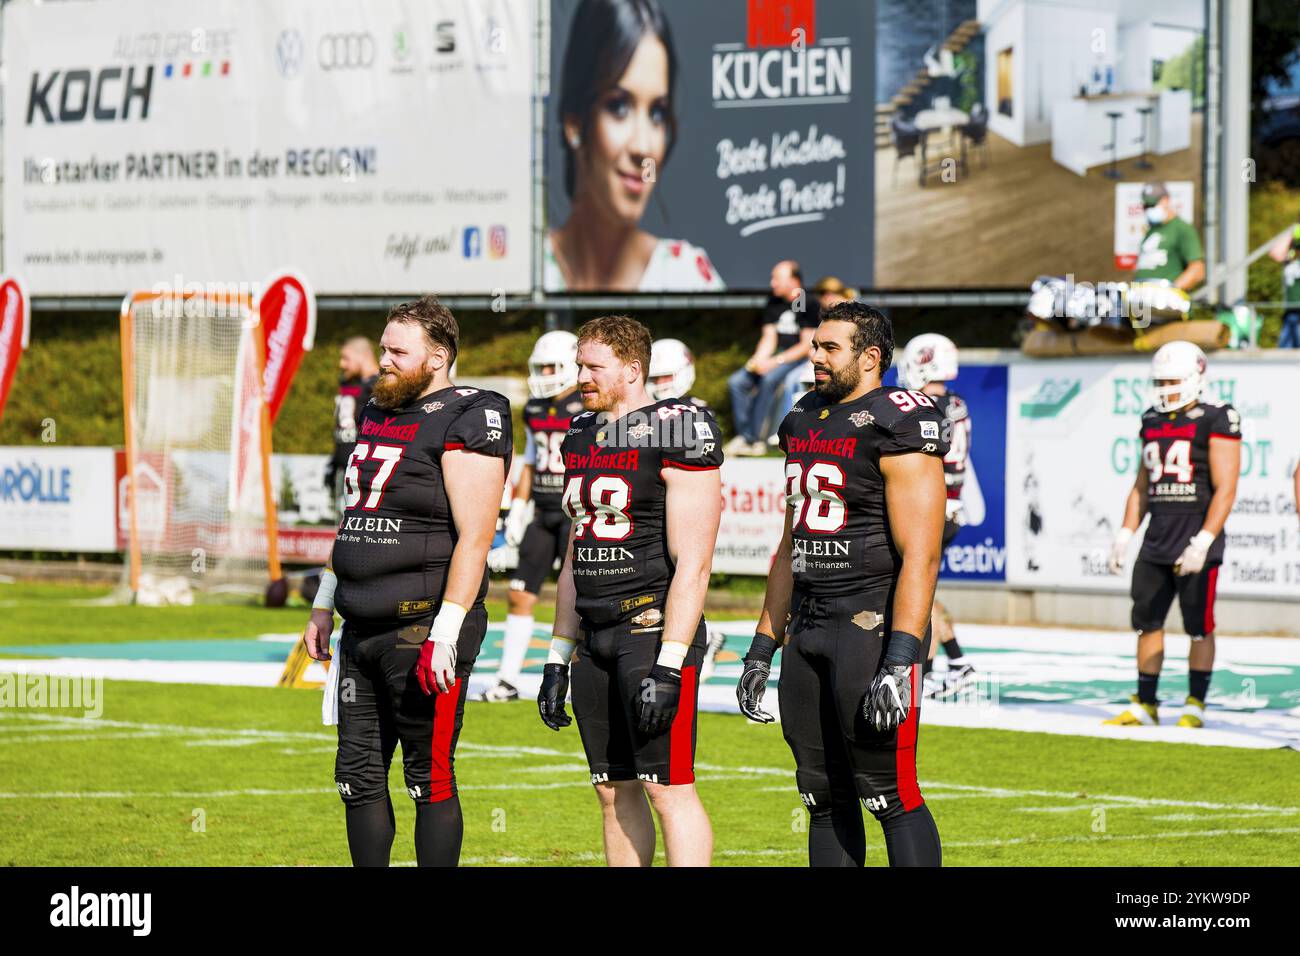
(346, 51)
(288, 53)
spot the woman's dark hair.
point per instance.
(602, 38)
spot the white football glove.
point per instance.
(1119, 549)
(518, 520)
(953, 511)
(1192, 560)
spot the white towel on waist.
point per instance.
(329, 706)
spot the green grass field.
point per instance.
(206, 775)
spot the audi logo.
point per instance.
(346, 51)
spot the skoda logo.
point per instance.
(346, 51)
(288, 53)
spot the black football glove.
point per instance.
(753, 681)
(660, 693)
(889, 699)
(550, 699)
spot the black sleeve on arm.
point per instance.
(483, 427)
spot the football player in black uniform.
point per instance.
(930, 362)
(536, 524)
(672, 374)
(642, 487)
(851, 591)
(408, 576)
(1187, 482)
(357, 374)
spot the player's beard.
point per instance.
(602, 400)
(395, 390)
(839, 383)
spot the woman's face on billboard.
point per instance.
(630, 134)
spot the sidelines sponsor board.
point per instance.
(210, 142)
(56, 499)
(1073, 453)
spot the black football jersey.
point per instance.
(1176, 456)
(614, 493)
(956, 429)
(396, 537)
(833, 485)
(546, 421)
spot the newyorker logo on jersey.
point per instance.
(814, 444)
(783, 58)
(386, 429)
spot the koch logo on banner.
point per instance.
(104, 95)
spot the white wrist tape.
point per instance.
(1203, 540)
(324, 599)
(446, 626)
(671, 654)
(561, 651)
(1123, 537)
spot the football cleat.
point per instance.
(933, 684)
(1193, 713)
(500, 692)
(716, 640)
(955, 678)
(1138, 714)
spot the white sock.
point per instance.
(519, 631)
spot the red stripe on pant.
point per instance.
(444, 728)
(1209, 599)
(681, 752)
(909, 792)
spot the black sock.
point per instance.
(1198, 684)
(439, 829)
(370, 832)
(912, 839)
(836, 837)
(952, 648)
(1147, 684)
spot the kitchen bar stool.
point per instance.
(1112, 171)
(1145, 113)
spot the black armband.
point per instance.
(903, 649)
(763, 648)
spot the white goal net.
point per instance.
(197, 494)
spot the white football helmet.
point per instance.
(927, 358)
(560, 350)
(1183, 365)
(807, 378)
(670, 357)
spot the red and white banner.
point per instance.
(15, 330)
(287, 310)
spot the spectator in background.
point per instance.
(830, 291)
(1284, 251)
(358, 371)
(1170, 249)
(787, 325)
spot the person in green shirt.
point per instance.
(1170, 249)
(1284, 251)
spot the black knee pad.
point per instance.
(883, 805)
(820, 793)
(359, 791)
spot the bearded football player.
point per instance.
(642, 487)
(1187, 482)
(850, 594)
(408, 575)
(928, 365)
(536, 524)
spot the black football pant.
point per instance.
(832, 654)
(380, 704)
